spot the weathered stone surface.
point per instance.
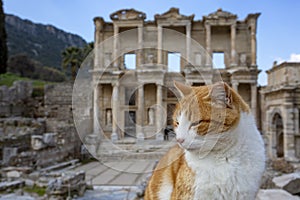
(8, 153)
(16, 197)
(50, 139)
(12, 99)
(67, 184)
(13, 174)
(275, 194)
(289, 182)
(11, 185)
(37, 142)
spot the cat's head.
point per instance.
(205, 114)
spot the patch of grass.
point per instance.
(41, 191)
(8, 79)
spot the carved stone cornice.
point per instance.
(220, 14)
(127, 14)
(173, 13)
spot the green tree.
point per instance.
(72, 58)
(3, 45)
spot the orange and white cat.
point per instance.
(220, 153)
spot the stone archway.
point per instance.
(277, 123)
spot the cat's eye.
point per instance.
(196, 123)
(176, 123)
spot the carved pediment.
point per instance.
(173, 13)
(221, 14)
(127, 14)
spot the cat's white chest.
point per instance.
(220, 179)
(235, 174)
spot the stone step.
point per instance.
(130, 156)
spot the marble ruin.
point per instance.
(280, 111)
(136, 110)
(133, 111)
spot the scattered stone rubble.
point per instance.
(37, 132)
(59, 182)
(289, 182)
(275, 194)
(67, 184)
(279, 181)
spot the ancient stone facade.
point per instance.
(125, 108)
(280, 111)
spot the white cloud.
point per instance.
(294, 57)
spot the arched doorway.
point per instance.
(278, 125)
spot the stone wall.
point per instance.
(12, 99)
(59, 118)
(15, 136)
(37, 131)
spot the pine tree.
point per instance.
(3, 45)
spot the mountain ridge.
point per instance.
(41, 42)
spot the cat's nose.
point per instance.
(180, 140)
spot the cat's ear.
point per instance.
(183, 89)
(221, 95)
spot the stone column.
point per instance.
(140, 45)
(159, 113)
(270, 135)
(289, 132)
(140, 118)
(116, 45)
(233, 45)
(115, 111)
(188, 42)
(159, 44)
(96, 109)
(97, 38)
(208, 44)
(97, 55)
(235, 85)
(253, 44)
(254, 99)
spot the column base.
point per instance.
(114, 137)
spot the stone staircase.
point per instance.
(131, 149)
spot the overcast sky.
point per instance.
(277, 34)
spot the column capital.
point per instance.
(233, 25)
(115, 84)
(188, 25)
(158, 84)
